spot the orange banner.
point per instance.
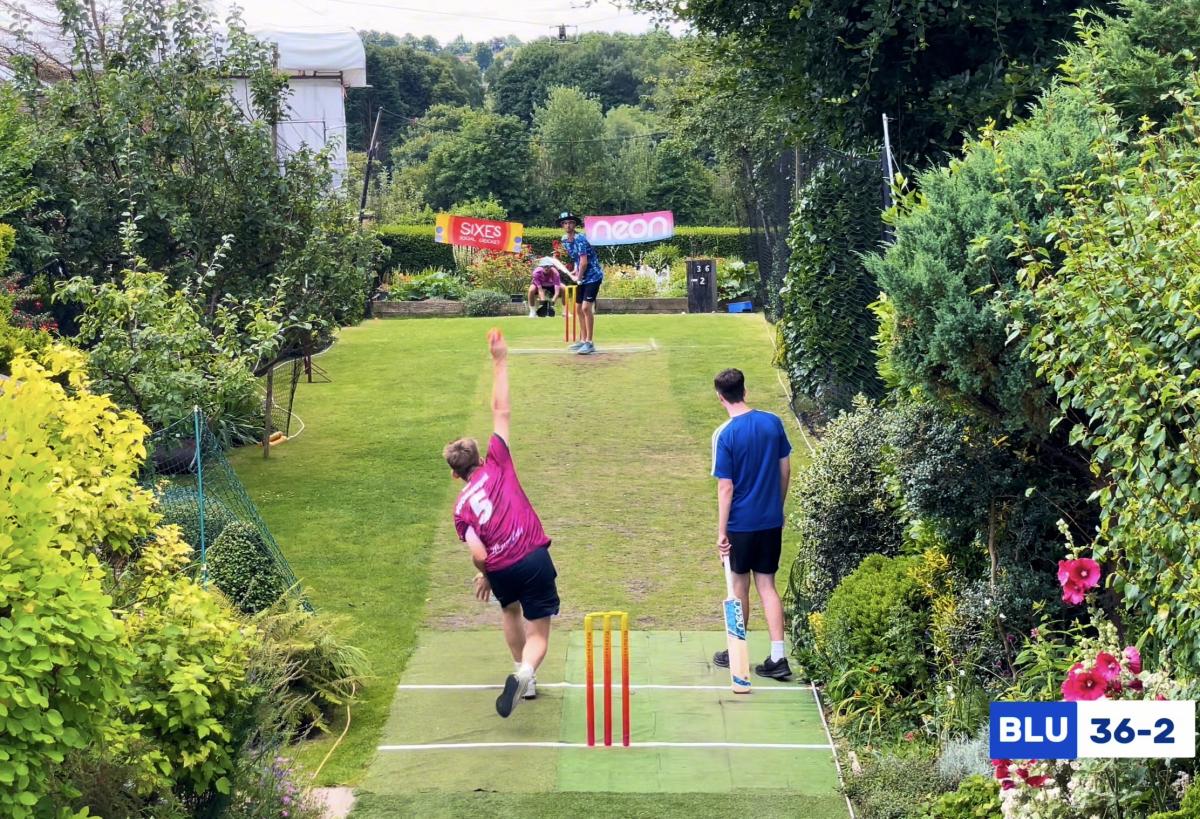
(485, 234)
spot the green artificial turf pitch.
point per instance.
(493, 754)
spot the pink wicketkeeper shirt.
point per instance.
(494, 505)
(546, 277)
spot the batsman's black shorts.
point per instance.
(529, 581)
(756, 552)
(588, 292)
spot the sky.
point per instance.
(444, 19)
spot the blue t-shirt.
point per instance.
(746, 450)
(582, 247)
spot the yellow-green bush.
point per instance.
(67, 494)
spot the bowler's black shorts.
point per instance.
(756, 552)
(529, 581)
(588, 292)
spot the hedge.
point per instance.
(412, 246)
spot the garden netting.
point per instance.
(198, 490)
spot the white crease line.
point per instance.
(559, 351)
(836, 763)
(468, 746)
(787, 689)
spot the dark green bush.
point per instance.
(412, 246)
(952, 270)
(844, 509)
(870, 646)
(182, 508)
(240, 565)
(825, 323)
(484, 303)
(896, 782)
(968, 485)
(977, 797)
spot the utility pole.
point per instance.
(362, 203)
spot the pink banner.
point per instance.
(631, 229)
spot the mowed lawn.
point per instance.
(613, 449)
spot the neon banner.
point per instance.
(485, 234)
(631, 229)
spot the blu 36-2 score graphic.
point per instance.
(1099, 729)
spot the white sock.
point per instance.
(524, 671)
(776, 650)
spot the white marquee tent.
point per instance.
(321, 64)
(321, 61)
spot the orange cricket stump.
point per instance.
(606, 619)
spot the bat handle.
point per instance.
(728, 576)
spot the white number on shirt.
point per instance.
(481, 506)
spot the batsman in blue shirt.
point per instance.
(752, 465)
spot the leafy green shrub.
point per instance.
(321, 672)
(242, 568)
(844, 508)
(67, 466)
(978, 797)
(969, 486)
(190, 690)
(484, 303)
(625, 283)
(738, 281)
(182, 508)
(1188, 809)
(434, 284)
(662, 256)
(503, 272)
(1119, 340)
(952, 270)
(870, 646)
(480, 208)
(896, 782)
(150, 350)
(825, 324)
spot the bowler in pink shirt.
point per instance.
(509, 547)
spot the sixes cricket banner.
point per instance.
(628, 230)
(485, 234)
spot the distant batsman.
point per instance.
(508, 546)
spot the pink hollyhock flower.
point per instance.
(1107, 667)
(1073, 593)
(1023, 773)
(1082, 572)
(1082, 684)
(1007, 785)
(1136, 685)
(1133, 660)
(1037, 781)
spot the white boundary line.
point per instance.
(790, 689)
(841, 780)
(469, 746)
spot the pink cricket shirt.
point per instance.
(494, 505)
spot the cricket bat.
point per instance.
(735, 637)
